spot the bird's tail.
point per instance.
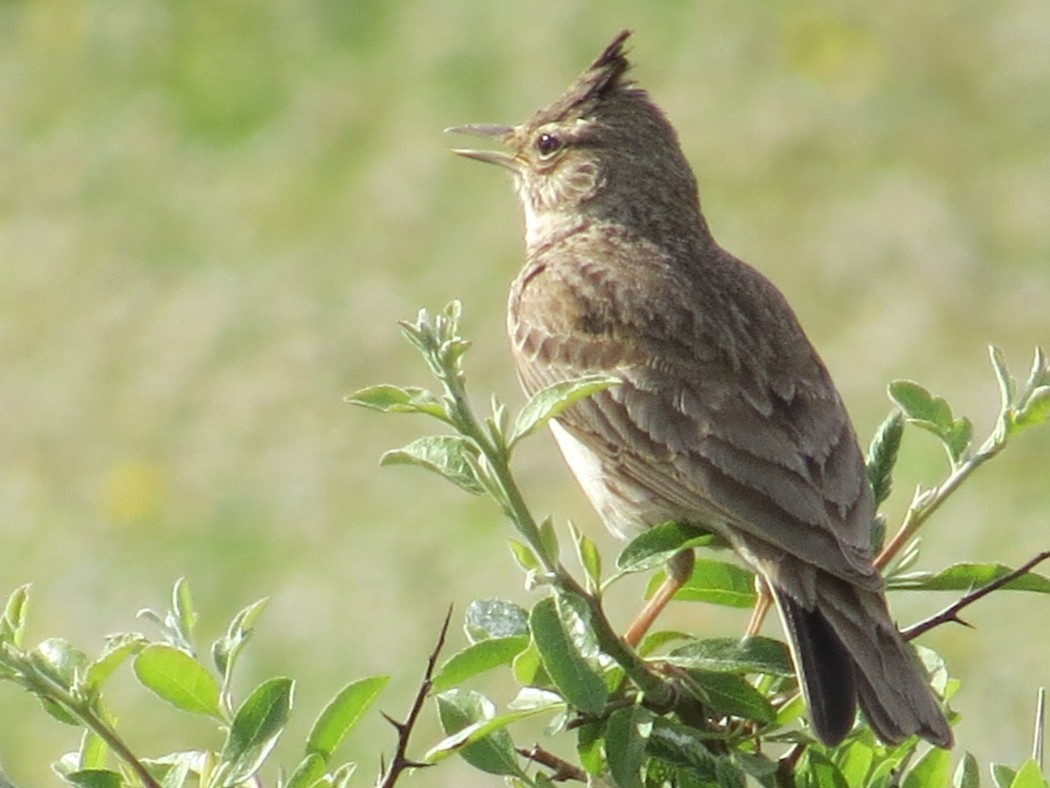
(847, 651)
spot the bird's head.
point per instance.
(602, 152)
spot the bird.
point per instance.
(724, 415)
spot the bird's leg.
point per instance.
(761, 609)
(679, 569)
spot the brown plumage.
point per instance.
(726, 417)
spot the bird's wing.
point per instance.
(770, 457)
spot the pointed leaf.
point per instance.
(548, 402)
(933, 768)
(714, 582)
(256, 727)
(1036, 409)
(968, 773)
(452, 456)
(589, 557)
(478, 658)
(1029, 776)
(494, 753)
(179, 679)
(13, 622)
(655, 546)
(398, 399)
(580, 685)
(309, 771)
(1007, 385)
(228, 648)
(732, 655)
(966, 577)
(343, 713)
(118, 648)
(882, 455)
(1002, 775)
(182, 607)
(731, 694)
(626, 737)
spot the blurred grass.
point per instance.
(213, 213)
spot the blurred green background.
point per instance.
(212, 212)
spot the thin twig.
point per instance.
(951, 613)
(563, 770)
(400, 762)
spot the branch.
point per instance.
(563, 770)
(401, 762)
(951, 613)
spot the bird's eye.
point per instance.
(548, 145)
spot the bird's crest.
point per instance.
(603, 76)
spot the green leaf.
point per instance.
(732, 655)
(13, 622)
(1035, 410)
(398, 399)
(179, 679)
(589, 556)
(256, 727)
(118, 648)
(1002, 775)
(478, 658)
(93, 752)
(714, 582)
(524, 556)
(730, 694)
(580, 685)
(655, 546)
(968, 773)
(933, 768)
(882, 455)
(1007, 385)
(678, 744)
(182, 607)
(817, 771)
(958, 437)
(1029, 776)
(309, 771)
(495, 618)
(854, 760)
(626, 736)
(921, 406)
(590, 747)
(549, 539)
(967, 577)
(528, 668)
(493, 752)
(548, 402)
(95, 778)
(451, 456)
(343, 713)
(228, 648)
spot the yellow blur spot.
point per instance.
(134, 491)
(833, 51)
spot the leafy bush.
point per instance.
(677, 711)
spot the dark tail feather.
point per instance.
(847, 649)
(825, 670)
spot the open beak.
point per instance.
(490, 131)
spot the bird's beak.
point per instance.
(491, 131)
